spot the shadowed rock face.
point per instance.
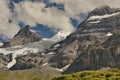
(28, 61)
(71, 48)
(23, 36)
(31, 60)
(96, 57)
(4, 60)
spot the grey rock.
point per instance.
(96, 57)
(4, 60)
(23, 36)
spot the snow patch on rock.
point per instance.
(103, 16)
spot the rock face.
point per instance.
(71, 48)
(4, 60)
(96, 57)
(84, 48)
(105, 22)
(23, 36)
(32, 60)
(27, 61)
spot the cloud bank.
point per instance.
(33, 13)
(6, 29)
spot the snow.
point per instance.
(34, 47)
(63, 69)
(25, 49)
(94, 22)
(51, 53)
(5, 52)
(44, 64)
(61, 35)
(12, 63)
(109, 34)
(102, 16)
(1, 44)
(57, 45)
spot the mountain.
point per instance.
(88, 48)
(94, 45)
(82, 47)
(23, 36)
(99, 56)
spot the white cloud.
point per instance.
(6, 29)
(74, 7)
(35, 12)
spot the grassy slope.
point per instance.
(92, 75)
(43, 74)
(33, 74)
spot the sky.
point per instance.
(46, 16)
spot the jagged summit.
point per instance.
(103, 19)
(24, 32)
(23, 36)
(104, 10)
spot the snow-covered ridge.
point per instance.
(102, 16)
(61, 35)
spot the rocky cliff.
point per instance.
(23, 36)
(96, 57)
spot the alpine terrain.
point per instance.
(95, 45)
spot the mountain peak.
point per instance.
(23, 36)
(104, 10)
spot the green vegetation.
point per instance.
(33, 74)
(113, 74)
(41, 74)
